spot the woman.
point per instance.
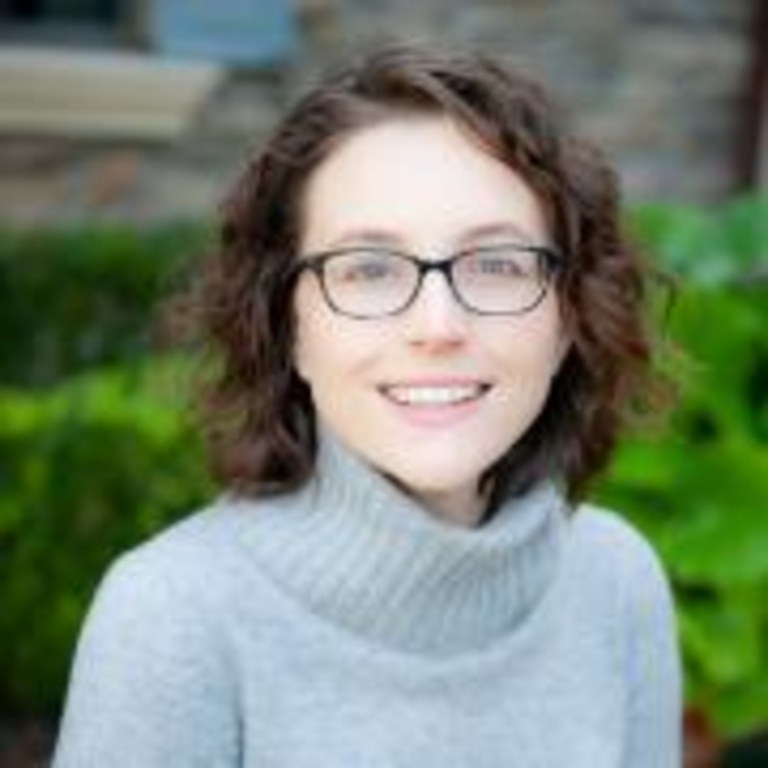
(429, 332)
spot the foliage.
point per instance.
(81, 297)
(88, 468)
(707, 248)
(699, 491)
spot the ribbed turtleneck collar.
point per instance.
(359, 552)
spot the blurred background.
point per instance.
(121, 126)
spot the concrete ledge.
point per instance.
(99, 95)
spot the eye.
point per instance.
(363, 267)
(498, 263)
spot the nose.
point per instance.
(436, 320)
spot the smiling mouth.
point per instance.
(433, 395)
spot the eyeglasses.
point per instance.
(372, 282)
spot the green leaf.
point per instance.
(723, 638)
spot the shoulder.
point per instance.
(188, 552)
(611, 556)
(152, 651)
(611, 542)
(621, 562)
(185, 574)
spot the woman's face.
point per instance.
(435, 395)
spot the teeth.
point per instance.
(434, 395)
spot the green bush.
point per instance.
(707, 247)
(77, 298)
(89, 468)
(700, 490)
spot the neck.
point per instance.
(464, 507)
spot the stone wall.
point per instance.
(659, 84)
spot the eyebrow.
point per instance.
(496, 229)
(383, 237)
(366, 236)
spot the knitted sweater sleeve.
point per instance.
(149, 687)
(655, 678)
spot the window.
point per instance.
(62, 22)
(112, 68)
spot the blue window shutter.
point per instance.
(245, 32)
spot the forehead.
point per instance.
(418, 177)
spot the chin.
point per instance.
(433, 481)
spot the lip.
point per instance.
(436, 414)
(436, 381)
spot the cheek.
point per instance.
(552, 340)
(565, 332)
(300, 362)
(305, 350)
(309, 322)
(329, 350)
(535, 348)
(313, 353)
(562, 348)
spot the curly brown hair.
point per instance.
(258, 414)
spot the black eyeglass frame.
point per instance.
(549, 262)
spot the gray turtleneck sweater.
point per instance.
(344, 627)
